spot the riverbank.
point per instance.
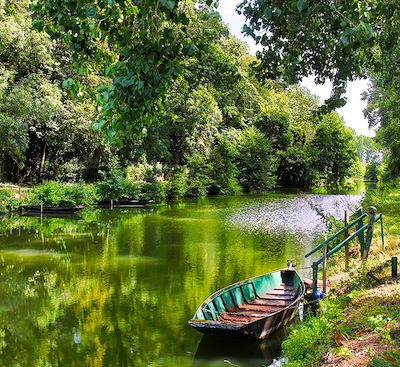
(359, 320)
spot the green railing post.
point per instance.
(361, 234)
(346, 249)
(370, 231)
(394, 267)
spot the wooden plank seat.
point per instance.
(273, 301)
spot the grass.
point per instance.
(358, 323)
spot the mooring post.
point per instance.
(324, 268)
(358, 226)
(370, 231)
(315, 277)
(346, 248)
(394, 267)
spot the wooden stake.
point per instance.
(370, 231)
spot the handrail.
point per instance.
(373, 217)
(341, 244)
(321, 245)
(347, 240)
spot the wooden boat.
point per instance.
(125, 203)
(255, 307)
(37, 209)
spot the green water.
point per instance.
(116, 288)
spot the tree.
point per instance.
(333, 150)
(339, 41)
(140, 44)
(256, 162)
(43, 133)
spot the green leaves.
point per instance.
(139, 46)
(331, 40)
(363, 33)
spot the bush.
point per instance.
(114, 186)
(199, 173)
(307, 342)
(178, 184)
(8, 202)
(256, 162)
(54, 194)
(223, 162)
(154, 191)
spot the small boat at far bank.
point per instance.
(38, 209)
(255, 307)
(125, 203)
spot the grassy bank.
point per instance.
(358, 323)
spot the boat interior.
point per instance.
(253, 299)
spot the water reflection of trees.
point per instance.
(117, 288)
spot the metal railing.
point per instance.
(365, 242)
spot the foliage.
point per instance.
(336, 41)
(333, 150)
(389, 359)
(372, 171)
(223, 161)
(8, 202)
(55, 194)
(43, 134)
(309, 340)
(219, 125)
(199, 173)
(154, 191)
(294, 168)
(141, 46)
(178, 184)
(257, 165)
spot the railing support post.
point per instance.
(394, 267)
(315, 277)
(324, 269)
(346, 248)
(370, 231)
(358, 226)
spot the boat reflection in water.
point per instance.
(232, 350)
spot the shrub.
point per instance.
(132, 190)
(113, 186)
(223, 162)
(154, 191)
(8, 202)
(256, 162)
(199, 173)
(178, 184)
(54, 194)
(49, 193)
(80, 194)
(307, 342)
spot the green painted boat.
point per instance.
(255, 307)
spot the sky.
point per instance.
(351, 112)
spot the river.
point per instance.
(116, 288)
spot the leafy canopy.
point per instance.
(335, 40)
(139, 43)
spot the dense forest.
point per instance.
(181, 105)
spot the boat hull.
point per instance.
(37, 209)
